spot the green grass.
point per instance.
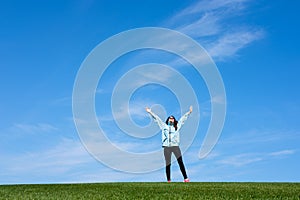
(196, 190)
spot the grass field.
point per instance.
(196, 190)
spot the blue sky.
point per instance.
(253, 43)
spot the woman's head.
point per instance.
(171, 120)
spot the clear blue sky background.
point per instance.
(255, 45)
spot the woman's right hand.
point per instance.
(148, 109)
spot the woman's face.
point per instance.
(171, 119)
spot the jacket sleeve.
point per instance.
(159, 122)
(182, 120)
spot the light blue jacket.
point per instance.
(170, 136)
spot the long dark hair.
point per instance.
(175, 121)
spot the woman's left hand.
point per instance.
(191, 109)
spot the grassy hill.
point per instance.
(192, 190)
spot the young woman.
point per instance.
(170, 140)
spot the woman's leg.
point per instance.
(167, 154)
(177, 153)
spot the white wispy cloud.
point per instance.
(283, 152)
(150, 74)
(34, 128)
(259, 136)
(138, 110)
(230, 43)
(63, 101)
(248, 158)
(208, 10)
(212, 5)
(241, 159)
(211, 24)
(206, 25)
(59, 159)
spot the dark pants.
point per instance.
(167, 153)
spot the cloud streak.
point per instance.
(50, 162)
(240, 160)
(213, 5)
(211, 24)
(283, 152)
(229, 44)
(34, 128)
